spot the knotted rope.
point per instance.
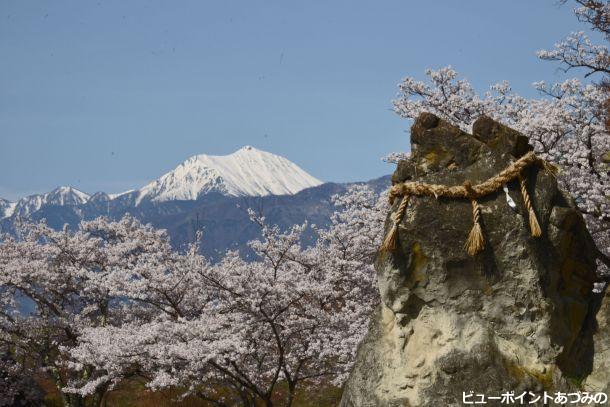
(475, 242)
(390, 240)
(534, 226)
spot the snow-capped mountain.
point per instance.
(63, 196)
(246, 172)
(177, 203)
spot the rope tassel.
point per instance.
(389, 243)
(534, 225)
(475, 242)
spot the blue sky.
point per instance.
(108, 95)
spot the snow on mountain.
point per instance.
(59, 196)
(246, 172)
(113, 196)
(6, 208)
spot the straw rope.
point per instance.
(534, 225)
(475, 242)
(390, 241)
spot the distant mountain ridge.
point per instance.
(208, 193)
(222, 219)
(246, 172)
(59, 196)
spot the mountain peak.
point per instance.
(246, 172)
(63, 195)
(70, 193)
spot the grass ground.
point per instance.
(133, 393)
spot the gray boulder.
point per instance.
(518, 316)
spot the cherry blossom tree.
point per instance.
(596, 13)
(577, 50)
(62, 281)
(255, 329)
(242, 332)
(112, 300)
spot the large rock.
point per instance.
(518, 316)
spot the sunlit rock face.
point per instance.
(520, 315)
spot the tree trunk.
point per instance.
(291, 393)
(98, 397)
